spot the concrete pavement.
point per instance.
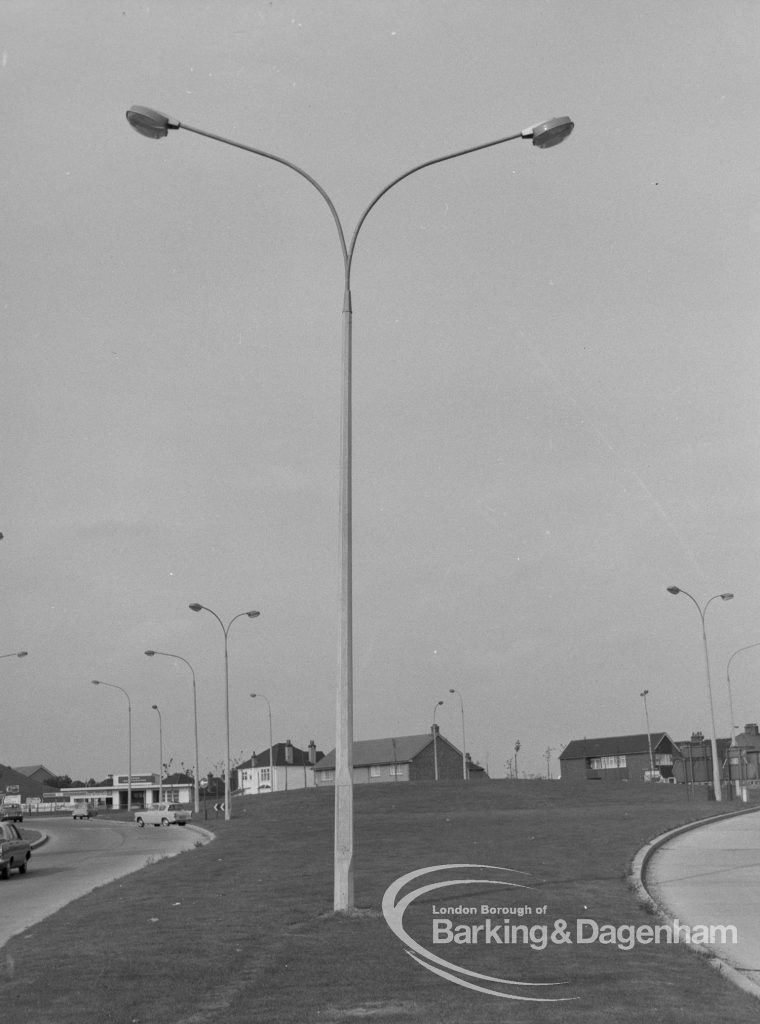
(709, 875)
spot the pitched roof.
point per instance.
(610, 746)
(30, 769)
(300, 757)
(393, 750)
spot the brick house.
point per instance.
(619, 758)
(695, 765)
(400, 759)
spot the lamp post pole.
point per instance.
(225, 629)
(649, 734)
(160, 755)
(464, 741)
(272, 781)
(728, 682)
(99, 682)
(435, 742)
(713, 739)
(155, 125)
(196, 780)
(517, 751)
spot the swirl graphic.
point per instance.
(393, 911)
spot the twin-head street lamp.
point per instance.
(196, 781)
(225, 630)
(155, 125)
(99, 682)
(713, 739)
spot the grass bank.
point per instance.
(242, 930)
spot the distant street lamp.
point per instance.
(435, 741)
(464, 741)
(272, 781)
(649, 734)
(99, 682)
(196, 780)
(160, 755)
(225, 629)
(728, 681)
(155, 125)
(15, 654)
(713, 739)
(517, 751)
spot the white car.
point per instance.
(83, 810)
(163, 814)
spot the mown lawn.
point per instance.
(242, 930)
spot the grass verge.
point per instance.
(242, 930)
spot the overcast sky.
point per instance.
(555, 372)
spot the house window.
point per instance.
(328, 775)
(397, 769)
(603, 763)
(375, 770)
(265, 774)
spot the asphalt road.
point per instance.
(711, 875)
(78, 857)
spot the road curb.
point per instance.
(636, 881)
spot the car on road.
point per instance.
(163, 814)
(83, 810)
(10, 808)
(15, 851)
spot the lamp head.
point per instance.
(196, 607)
(643, 693)
(674, 590)
(150, 653)
(155, 707)
(549, 133)
(150, 123)
(253, 615)
(22, 654)
(727, 597)
(95, 682)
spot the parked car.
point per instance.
(163, 814)
(15, 851)
(83, 810)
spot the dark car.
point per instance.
(11, 812)
(15, 851)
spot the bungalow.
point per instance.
(292, 769)
(621, 758)
(400, 759)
